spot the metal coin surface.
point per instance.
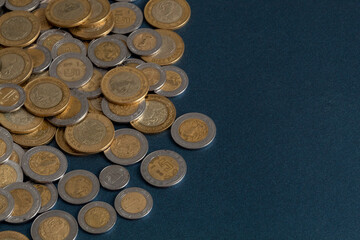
(155, 75)
(2, 2)
(133, 62)
(17, 154)
(123, 38)
(44, 164)
(27, 202)
(74, 69)
(6, 145)
(144, 42)
(52, 36)
(21, 5)
(61, 142)
(176, 82)
(95, 105)
(163, 168)
(12, 235)
(122, 113)
(129, 147)
(7, 204)
(41, 58)
(20, 121)
(100, 10)
(97, 217)
(10, 172)
(92, 89)
(128, 17)
(133, 203)
(48, 194)
(78, 187)
(68, 45)
(54, 224)
(193, 130)
(114, 177)
(12, 97)
(44, 24)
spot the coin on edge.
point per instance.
(78, 187)
(97, 217)
(54, 224)
(12, 235)
(155, 75)
(114, 177)
(176, 82)
(158, 116)
(128, 17)
(122, 113)
(11, 172)
(12, 97)
(6, 145)
(48, 194)
(52, 36)
(7, 204)
(41, 58)
(144, 42)
(61, 142)
(133, 203)
(17, 154)
(20, 121)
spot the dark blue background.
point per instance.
(281, 79)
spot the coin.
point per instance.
(92, 89)
(97, 217)
(68, 45)
(52, 36)
(124, 85)
(35, 76)
(12, 235)
(193, 130)
(16, 65)
(94, 134)
(20, 5)
(44, 164)
(41, 58)
(44, 24)
(2, 3)
(107, 52)
(155, 75)
(144, 42)
(18, 29)
(167, 14)
(74, 113)
(133, 203)
(95, 105)
(114, 177)
(6, 205)
(27, 202)
(46, 96)
(176, 82)
(74, 69)
(171, 50)
(12, 97)
(100, 10)
(129, 147)
(163, 168)
(122, 113)
(128, 17)
(133, 62)
(20, 121)
(159, 115)
(48, 194)
(123, 38)
(6, 145)
(41, 136)
(61, 142)
(11, 172)
(17, 154)
(54, 224)
(68, 13)
(78, 187)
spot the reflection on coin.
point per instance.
(52, 36)
(20, 121)
(10, 172)
(128, 17)
(41, 58)
(12, 235)
(92, 89)
(12, 97)
(17, 154)
(78, 187)
(97, 217)
(176, 82)
(133, 203)
(114, 177)
(68, 45)
(122, 113)
(159, 115)
(133, 62)
(61, 142)
(44, 24)
(129, 147)
(48, 194)
(144, 42)
(54, 224)
(27, 202)
(74, 69)
(193, 130)
(28, 5)
(44, 164)
(6, 145)
(155, 75)
(163, 168)
(7, 205)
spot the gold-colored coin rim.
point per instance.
(61, 142)
(102, 17)
(20, 129)
(39, 12)
(12, 235)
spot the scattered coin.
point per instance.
(128, 17)
(155, 75)
(95, 105)
(11, 172)
(12, 235)
(92, 89)
(41, 58)
(20, 121)
(123, 38)
(48, 194)
(6, 145)
(7, 205)
(61, 142)
(44, 24)
(122, 113)
(176, 82)
(100, 10)
(133, 203)
(144, 42)
(12, 97)
(17, 154)
(22, 5)
(52, 36)
(114, 177)
(68, 45)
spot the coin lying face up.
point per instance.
(12, 235)
(52, 36)
(92, 88)
(128, 17)
(10, 172)
(7, 204)
(176, 82)
(6, 145)
(22, 5)
(48, 194)
(155, 75)
(114, 177)
(12, 97)
(20, 121)
(41, 57)
(122, 113)
(17, 154)
(144, 42)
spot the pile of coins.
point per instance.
(82, 75)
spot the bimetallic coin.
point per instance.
(114, 177)
(44, 24)
(17, 154)
(12, 97)
(97, 217)
(193, 130)
(12, 235)
(52, 36)
(155, 75)
(163, 168)
(107, 52)
(18, 5)
(100, 10)
(78, 187)
(95, 105)
(123, 38)
(129, 147)
(176, 82)
(41, 58)
(74, 69)
(10, 172)
(6, 145)
(68, 45)
(7, 204)
(133, 62)
(61, 142)
(54, 224)
(27, 202)
(20, 121)
(92, 89)
(74, 113)
(44, 164)
(48, 194)
(122, 113)
(144, 42)
(128, 17)
(133, 203)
